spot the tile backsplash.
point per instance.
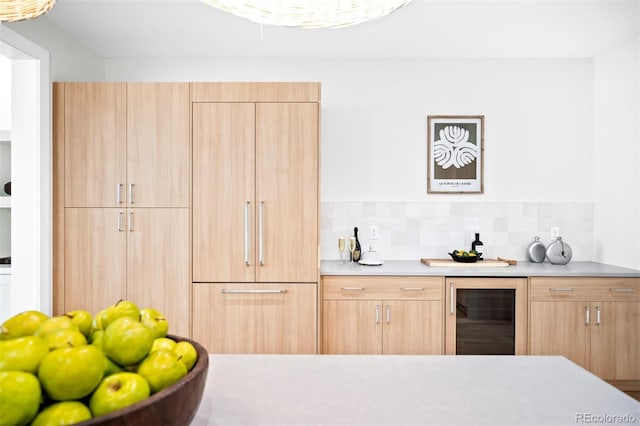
(412, 230)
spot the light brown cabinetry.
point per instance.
(255, 192)
(382, 315)
(276, 318)
(255, 216)
(592, 321)
(121, 197)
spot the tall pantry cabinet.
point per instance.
(255, 216)
(122, 196)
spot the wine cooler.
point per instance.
(486, 316)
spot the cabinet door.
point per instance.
(223, 192)
(615, 340)
(352, 327)
(95, 144)
(255, 318)
(561, 328)
(287, 191)
(413, 328)
(158, 263)
(158, 144)
(95, 258)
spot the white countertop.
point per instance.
(407, 390)
(5, 269)
(521, 269)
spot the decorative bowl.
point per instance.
(176, 405)
(464, 259)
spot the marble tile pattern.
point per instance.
(412, 230)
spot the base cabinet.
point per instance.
(255, 318)
(591, 321)
(382, 315)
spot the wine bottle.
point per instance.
(358, 250)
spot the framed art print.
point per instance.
(455, 151)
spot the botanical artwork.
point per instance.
(455, 151)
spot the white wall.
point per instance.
(616, 181)
(70, 59)
(538, 119)
(538, 145)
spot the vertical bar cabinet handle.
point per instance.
(130, 221)
(120, 221)
(451, 295)
(377, 314)
(119, 193)
(260, 234)
(388, 314)
(597, 315)
(131, 193)
(246, 233)
(587, 318)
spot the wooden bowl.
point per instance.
(176, 405)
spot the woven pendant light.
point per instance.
(309, 13)
(19, 10)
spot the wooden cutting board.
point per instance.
(486, 263)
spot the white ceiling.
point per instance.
(423, 28)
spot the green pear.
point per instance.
(163, 342)
(123, 308)
(118, 391)
(54, 324)
(127, 341)
(82, 319)
(161, 369)
(62, 413)
(187, 354)
(153, 319)
(96, 324)
(23, 324)
(24, 353)
(96, 338)
(20, 397)
(65, 338)
(72, 373)
(112, 368)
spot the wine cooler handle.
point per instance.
(130, 222)
(119, 193)
(377, 314)
(246, 233)
(131, 193)
(587, 315)
(451, 297)
(388, 309)
(120, 229)
(597, 315)
(260, 234)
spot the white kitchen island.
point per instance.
(408, 390)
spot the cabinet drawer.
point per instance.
(585, 288)
(382, 288)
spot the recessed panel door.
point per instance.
(287, 192)
(223, 192)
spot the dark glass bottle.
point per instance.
(358, 250)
